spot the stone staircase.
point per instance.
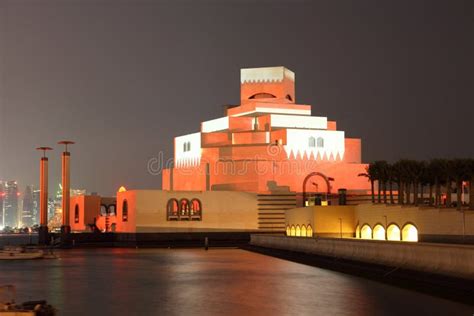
(271, 210)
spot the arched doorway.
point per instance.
(379, 232)
(293, 231)
(172, 208)
(409, 232)
(309, 231)
(393, 233)
(303, 231)
(366, 232)
(326, 189)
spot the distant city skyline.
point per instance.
(20, 204)
(126, 80)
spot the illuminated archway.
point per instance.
(393, 232)
(76, 214)
(184, 209)
(357, 231)
(319, 174)
(288, 230)
(124, 211)
(172, 209)
(309, 231)
(366, 232)
(293, 231)
(298, 231)
(409, 233)
(378, 232)
(196, 210)
(303, 231)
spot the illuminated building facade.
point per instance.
(267, 144)
(27, 215)
(2, 197)
(10, 204)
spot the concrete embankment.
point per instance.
(443, 259)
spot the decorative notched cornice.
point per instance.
(266, 75)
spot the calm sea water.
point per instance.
(214, 282)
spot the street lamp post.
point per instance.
(66, 183)
(43, 229)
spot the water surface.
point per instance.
(214, 282)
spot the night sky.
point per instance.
(122, 78)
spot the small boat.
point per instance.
(8, 307)
(20, 253)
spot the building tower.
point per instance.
(10, 204)
(27, 218)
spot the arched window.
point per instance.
(393, 232)
(303, 231)
(288, 230)
(309, 231)
(195, 211)
(172, 209)
(409, 233)
(320, 142)
(103, 210)
(184, 209)
(111, 209)
(262, 95)
(379, 232)
(366, 232)
(293, 231)
(357, 231)
(76, 214)
(311, 142)
(185, 147)
(124, 211)
(189, 146)
(298, 231)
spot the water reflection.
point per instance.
(196, 282)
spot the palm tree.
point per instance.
(460, 173)
(382, 177)
(391, 178)
(428, 178)
(397, 176)
(371, 174)
(449, 173)
(471, 183)
(407, 174)
(438, 170)
(416, 169)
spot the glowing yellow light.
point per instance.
(379, 232)
(366, 232)
(393, 232)
(309, 231)
(122, 189)
(298, 231)
(288, 230)
(324, 203)
(293, 231)
(357, 231)
(409, 233)
(303, 231)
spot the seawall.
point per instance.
(443, 259)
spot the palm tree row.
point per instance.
(412, 176)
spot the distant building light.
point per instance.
(324, 203)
